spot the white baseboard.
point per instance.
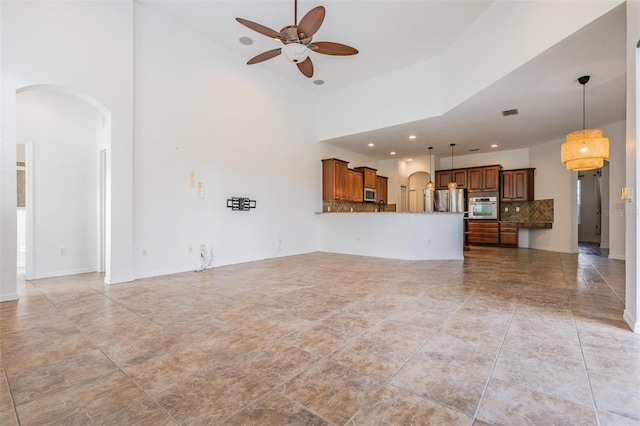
(604, 246)
(8, 297)
(55, 274)
(616, 256)
(119, 280)
(631, 321)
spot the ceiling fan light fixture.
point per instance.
(584, 149)
(295, 52)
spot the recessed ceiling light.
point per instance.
(392, 153)
(318, 82)
(371, 144)
(494, 146)
(409, 159)
(246, 40)
(412, 137)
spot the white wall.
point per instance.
(514, 37)
(606, 199)
(512, 159)
(62, 129)
(88, 48)
(504, 37)
(553, 181)
(632, 276)
(200, 108)
(614, 212)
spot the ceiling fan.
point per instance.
(297, 38)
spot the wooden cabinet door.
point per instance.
(334, 179)
(358, 190)
(490, 178)
(460, 177)
(519, 185)
(381, 190)
(523, 184)
(507, 186)
(442, 179)
(475, 179)
(341, 181)
(370, 176)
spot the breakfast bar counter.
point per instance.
(408, 236)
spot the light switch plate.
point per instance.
(626, 194)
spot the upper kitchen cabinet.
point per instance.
(517, 185)
(354, 185)
(460, 177)
(381, 190)
(483, 179)
(335, 180)
(443, 177)
(370, 180)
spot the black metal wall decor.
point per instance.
(241, 204)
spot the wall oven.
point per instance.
(483, 208)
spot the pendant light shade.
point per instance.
(452, 184)
(584, 149)
(430, 185)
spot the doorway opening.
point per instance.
(592, 197)
(64, 182)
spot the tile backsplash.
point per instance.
(529, 211)
(348, 206)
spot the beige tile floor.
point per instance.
(505, 337)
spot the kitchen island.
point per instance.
(408, 236)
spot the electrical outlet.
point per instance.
(190, 249)
(62, 251)
(506, 209)
(145, 252)
(517, 209)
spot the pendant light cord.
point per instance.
(583, 106)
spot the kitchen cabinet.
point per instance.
(443, 178)
(517, 185)
(334, 180)
(370, 180)
(460, 177)
(483, 232)
(483, 179)
(508, 234)
(354, 185)
(382, 190)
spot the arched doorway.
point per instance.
(417, 183)
(68, 136)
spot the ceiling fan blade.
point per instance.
(306, 67)
(330, 48)
(264, 56)
(310, 23)
(261, 29)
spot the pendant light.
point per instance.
(584, 149)
(452, 184)
(430, 185)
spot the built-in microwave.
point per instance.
(483, 208)
(369, 195)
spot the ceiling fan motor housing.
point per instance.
(295, 52)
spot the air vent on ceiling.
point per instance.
(474, 149)
(510, 112)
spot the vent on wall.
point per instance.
(510, 112)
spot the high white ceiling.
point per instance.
(394, 34)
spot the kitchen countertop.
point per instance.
(529, 224)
